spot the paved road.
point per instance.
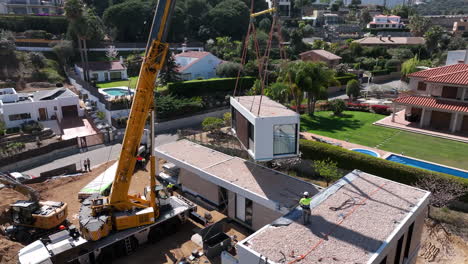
(96, 156)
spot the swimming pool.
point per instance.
(116, 91)
(427, 166)
(367, 152)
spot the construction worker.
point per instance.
(170, 189)
(305, 205)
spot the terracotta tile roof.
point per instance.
(104, 66)
(392, 41)
(460, 78)
(322, 53)
(433, 102)
(440, 71)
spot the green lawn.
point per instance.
(132, 81)
(356, 127)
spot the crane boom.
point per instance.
(101, 215)
(143, 103)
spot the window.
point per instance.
(461, 27)
(251, 133)
(55, 108)
(19, 116)
(233, 117)
(94, 76)
(284, 139)
(384, 260)
(422, 86)
(398, 250)
(115, 75)
(408, 240)
(248, 211)
(35, 10)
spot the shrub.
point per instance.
(227, 118)
(327, 169)
(379, 72)
(170, 106)
(210, 86)
(35, 34)
(380, 109)
(12, 130)
(228, 69)
(21, 23)
(353, 89)
(350, 160)
(31, 126)
(37, 59)
(337, 106)
(212, 123)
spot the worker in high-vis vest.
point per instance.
(305, 205)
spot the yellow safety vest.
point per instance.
(305, 201)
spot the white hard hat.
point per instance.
(306, 193)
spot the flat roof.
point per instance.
(261, 181)
(268, 107)
(349, 223)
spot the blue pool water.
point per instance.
(427, 166)
(116, 91)
(367, 152)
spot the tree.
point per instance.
(419, 25)
(2, 128)
(211, 124)
(353, 89)
(133, 64)
(400, 54)
(337, 106)
(404, 11)
(327, 169)
(7, 43)
(63, 50)
(277, 91)
(230, 18)
(356, 49)
(169, 72)
(365, 17)
(443, 190)
(434, 37)
(37, 60)
(227, 118)
(410, 66)
(355, 3)
(111, 53)
(228, 69)
(129, 18)
(300, 4)
(457, 43)
(265, 24)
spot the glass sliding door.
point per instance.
(284, 139)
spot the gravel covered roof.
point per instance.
(350, 221)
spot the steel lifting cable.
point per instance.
(353, 209)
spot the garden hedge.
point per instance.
(210, 86)
(17, 23)
(346, 78)
(350, 160)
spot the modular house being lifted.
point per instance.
(266, 129)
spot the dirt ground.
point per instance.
(440, 246)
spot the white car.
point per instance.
(20, 177)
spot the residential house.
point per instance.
(390, 42)
(31, 7)
(361, 218)
(456, 57)
(460, 28)
(197, 64)
(251, 194)
(321, 55)
(438, 99)
(104, 71)
(265, 128)
(383, 21)
(17, 108)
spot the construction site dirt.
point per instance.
(167, 250)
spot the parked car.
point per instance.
(19, 176)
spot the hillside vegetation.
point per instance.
(443, 7)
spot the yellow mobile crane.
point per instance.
(119, 211)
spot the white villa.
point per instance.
(383, 21)
(17, 108)
(103, 71)
(197, 64)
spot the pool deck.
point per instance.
(347, 145)
(401, 124)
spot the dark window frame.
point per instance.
(422, 86)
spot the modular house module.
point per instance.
(265, 128)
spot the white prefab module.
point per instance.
(266, 129)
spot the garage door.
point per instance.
(69, 111)
(440, 120)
